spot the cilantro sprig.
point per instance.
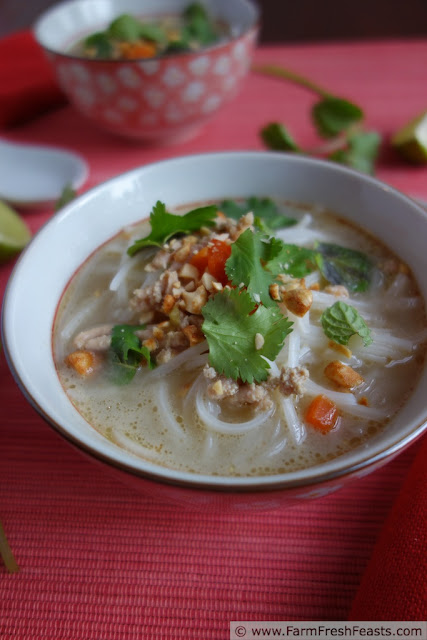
(165, 225)
(341, 321)
(264, 210)
(336, 119)
(127, 353)
(231, 323)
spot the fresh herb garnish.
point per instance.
(256, 260)
(341, 321)
(340, 265)
(293, 260)
(6, 553)
(127, 353)
(248, 264)
(100, 44)
(336, 119)
(264, 209)
(231, 323)
(165, 225)
(68, 194)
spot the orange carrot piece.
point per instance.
(134, 50)
(322, 414)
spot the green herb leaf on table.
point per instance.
(231, 323)
(126, 353)
(340, 265)
(341, 321)
(276, 137)
(165, 225)
(68, 194)
(361, 151)
(333, 115)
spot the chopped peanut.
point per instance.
(342, 375)
(189, 272)
(337, 290)
(298, 301)
(275, 291)
(194, 334)
(194, 300)
(84, 362)
(341, 348)
(151, 344)
(168, 303)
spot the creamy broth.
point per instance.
(166, 414)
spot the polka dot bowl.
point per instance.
(162, 100)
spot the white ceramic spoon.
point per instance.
(35, 175)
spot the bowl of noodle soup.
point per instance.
(244, 328)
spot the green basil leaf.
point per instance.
(340, 265)
(341, 321)
(100, 43)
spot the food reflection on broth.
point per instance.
(241, 338)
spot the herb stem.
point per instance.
(6, 553)
(281, 72)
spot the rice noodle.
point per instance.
(345, 401)
(295, 426)
(186, 358)
(208, 412)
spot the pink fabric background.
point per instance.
(102, 562)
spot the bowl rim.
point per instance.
(246, 484)
(252, 28)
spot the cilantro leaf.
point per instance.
(361, 151)
(276, 137)
(245, 266)
(198, 24)
(124, 27)
(341, 321)
(265, 210)
(340, 265)
(294, 260)
(333, 115)
(230, 326)
(126, 353)
(100, 43)
(165, 225)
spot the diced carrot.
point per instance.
(218, 255)
(200, 260)
(213, 259)
(322, 414)
(134, 50)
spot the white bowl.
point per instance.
(162, 100)
(61, 246)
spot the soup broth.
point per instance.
(187, 412)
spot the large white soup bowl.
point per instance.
(63, 244)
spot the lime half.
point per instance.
(411, 140)
(14, 233)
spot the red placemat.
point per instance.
(100, 561)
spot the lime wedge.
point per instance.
(14, 233)
(411, 140)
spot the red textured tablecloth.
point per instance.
(102, 562)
